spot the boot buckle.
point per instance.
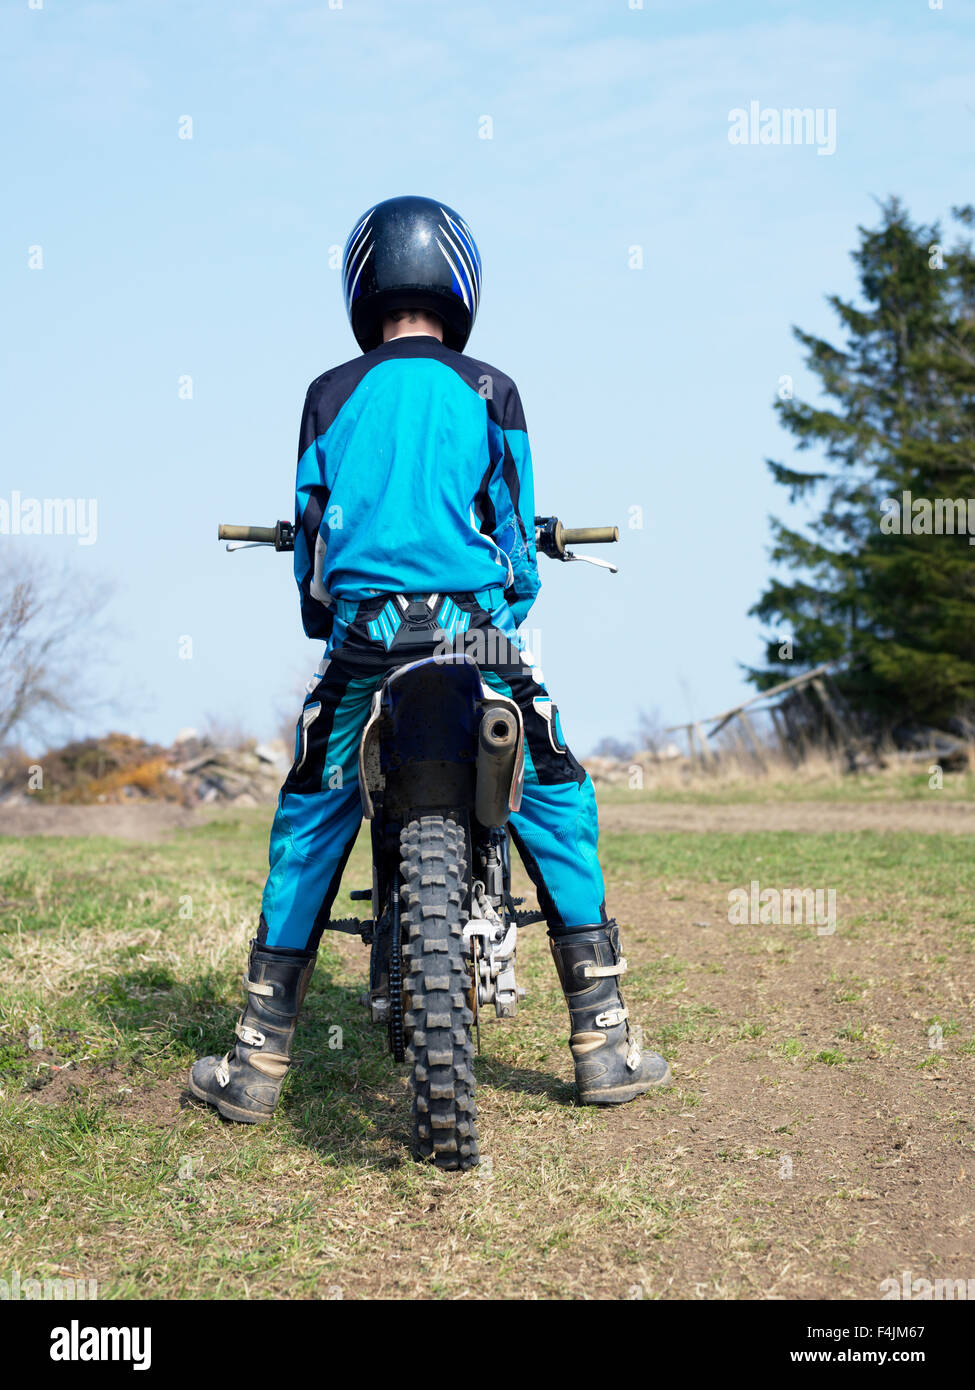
(251, 1036)
(222, 1071)
(611, 1017)
(252, 987)
(602, 972)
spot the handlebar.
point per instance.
(551, 537)
(590, 535)
(281, 535)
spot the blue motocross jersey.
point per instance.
(414, 476)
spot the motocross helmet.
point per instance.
(411, 251)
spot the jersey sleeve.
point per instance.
(513, 497)
(311, 526)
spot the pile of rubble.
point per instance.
(248, 775)
(195, 771)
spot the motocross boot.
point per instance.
(245, 1084)
(610, 1066)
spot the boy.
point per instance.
(415, 482)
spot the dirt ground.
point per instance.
(841, 1174)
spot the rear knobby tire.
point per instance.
(438, 1021)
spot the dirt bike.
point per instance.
(440, 771)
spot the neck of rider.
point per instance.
(412, 323)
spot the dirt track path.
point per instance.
(150, 821)
(145, 821)
(924, 818)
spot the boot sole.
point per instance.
(229, 1112)
(620, 1095)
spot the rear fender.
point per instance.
(429, 711)
(422, 719)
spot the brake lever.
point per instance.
(590, 560)
(248, 545)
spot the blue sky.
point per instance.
(644, 388)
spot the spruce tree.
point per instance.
(892, 596)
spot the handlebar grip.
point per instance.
(590, 535)
(266, 534)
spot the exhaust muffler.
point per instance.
(497, 751)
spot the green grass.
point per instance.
(938, 871)
(877, 787)
(120, 963)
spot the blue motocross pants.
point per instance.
(319, 810)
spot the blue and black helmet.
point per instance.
(409, 252)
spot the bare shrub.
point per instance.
(51, 640)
